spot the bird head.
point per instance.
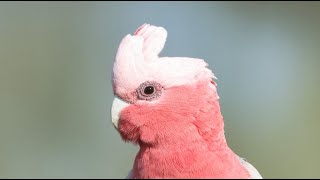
(160, 99)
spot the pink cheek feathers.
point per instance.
(176, 107)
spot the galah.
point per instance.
(169, 106)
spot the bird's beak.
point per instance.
(117, 106)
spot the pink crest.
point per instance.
(138, 60)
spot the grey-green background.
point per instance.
(55, 82)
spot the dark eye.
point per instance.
(149, 90)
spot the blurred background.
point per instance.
(55, 82)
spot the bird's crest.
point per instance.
(138, 60)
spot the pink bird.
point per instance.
(169, 106)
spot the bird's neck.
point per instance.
(191, 160)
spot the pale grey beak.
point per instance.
(117, 106)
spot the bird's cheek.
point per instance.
(129, 125)
(128, 130)
(131, 116)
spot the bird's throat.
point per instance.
(187, 162)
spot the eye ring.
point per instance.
(149, 90)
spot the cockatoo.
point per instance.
(169, 106)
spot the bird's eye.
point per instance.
(149, 90)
